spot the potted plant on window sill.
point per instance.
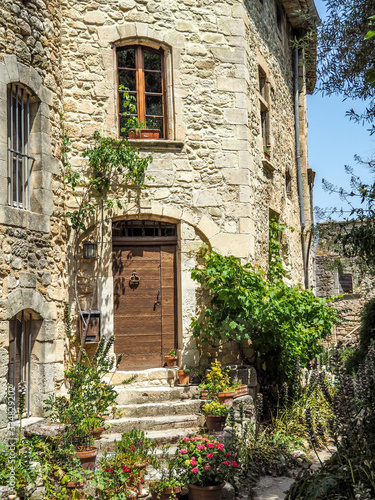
(267, 153)
(143, 130)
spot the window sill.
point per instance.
(268, 166)
(16, 217)
(156, 144)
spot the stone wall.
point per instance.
(209, 176)
(328, 264)
(32, 244)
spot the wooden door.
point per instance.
(145, 305)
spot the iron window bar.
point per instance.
(19, 147)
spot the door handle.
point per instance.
(157, 301)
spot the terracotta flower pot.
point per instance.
(205, 492)
(144, 133)
(87, 458)
(241, 391)
(204, 394)
(166, 493)
(171, 360)
(226, 397)
(98, 432)
(215, 422)
(183, 377)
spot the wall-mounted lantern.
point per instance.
(89, 249)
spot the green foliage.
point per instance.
(366, 336)
(135, 448)
(215, 408)
(349, 473)
(89, 398)
(283, 323)
(169, 478)
(345, 53)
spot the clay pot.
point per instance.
(88, 457)
(166, 493)
(144, 133)
(226, 397)
(215, 422)
(183, 377)
(97, 432)
(241, 391)
(171, 360)
(205, 492)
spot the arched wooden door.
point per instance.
(144, 277)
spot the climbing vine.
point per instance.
(282, 322)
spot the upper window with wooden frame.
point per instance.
(141, 70)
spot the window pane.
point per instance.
(126, 58)
(121, 108)
(127, 79)
(153, 82)
(154, 105)
(151, 60)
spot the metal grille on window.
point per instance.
(143, 229)
(19, 159)
(20, 346)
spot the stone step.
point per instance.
(141, 395)
(185, 407)
(171, 436)
(125, 424)
(152, 377)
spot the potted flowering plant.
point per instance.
(116, 480)
(218, 383)
(135, 449)
(216, 414)
(205, 465)
(171, 358)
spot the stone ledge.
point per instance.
(157, 144)
(268, 166)
(20, 218)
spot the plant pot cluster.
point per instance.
(144, 133)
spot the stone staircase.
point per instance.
(155, 403)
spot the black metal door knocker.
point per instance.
(134, 280)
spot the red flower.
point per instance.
(195, 470)
(185, 439)
(226, 463)
(183, 451)
(235, 464)
(209, 455)
(228, 454)
(132, 448)
(220, 447)
(210, 445)
(207, 467)
(142, 481)
(193, 462)
(201, 447)
(193, 458)
(125, 469)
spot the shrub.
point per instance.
(349, 473)
(366, 336)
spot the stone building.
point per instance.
(219, 80)
(338, 275)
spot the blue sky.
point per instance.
(333, 142)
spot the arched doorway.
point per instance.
(145, 295)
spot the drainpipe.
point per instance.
(298, 159)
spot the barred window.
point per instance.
(19, 158)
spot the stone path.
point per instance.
(274, 488)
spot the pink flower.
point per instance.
(142, 481)
(199, 437)
(132, 448)
(226, 463)
(209, 455)
(220, 447)
(207, 467)
(125, 469)
(185, 439)
(193, 458)
(201, 447)
(193, 462)
(205, 439)
(228, 454)
(235, 464)
(183, 451)
(195, 470)
(210, 445)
